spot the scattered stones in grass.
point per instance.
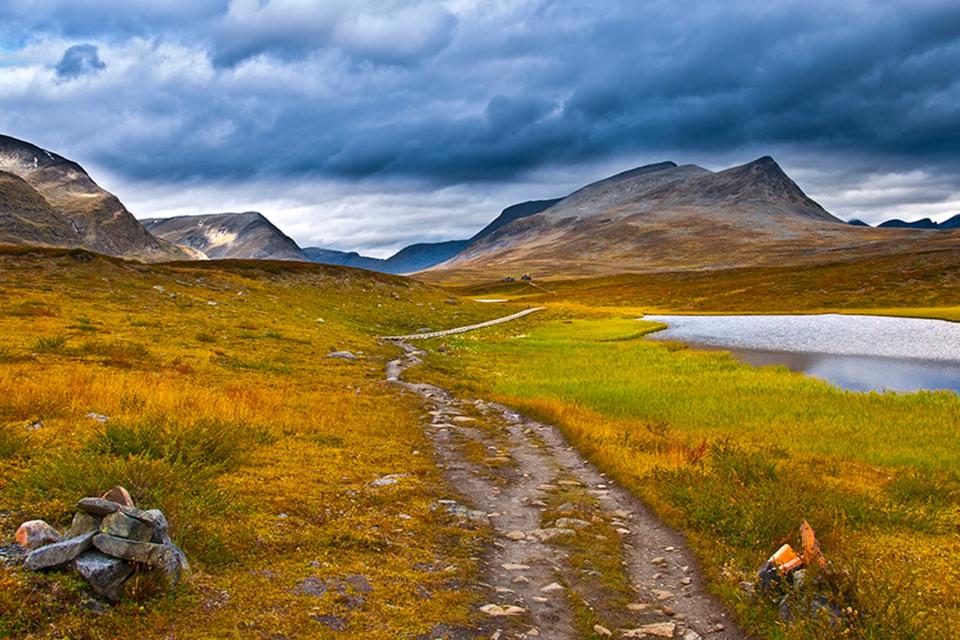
(389, 479)
(36, 533)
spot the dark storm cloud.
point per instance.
(488, 92)
(80, 60)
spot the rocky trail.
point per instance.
(573, 555)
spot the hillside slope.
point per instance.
(26, 216)
(246, 235)
(98, 217)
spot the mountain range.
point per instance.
(660, 216)
(673, 217)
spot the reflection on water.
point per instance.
(859, 373)
(860, 353)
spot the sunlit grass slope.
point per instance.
(922, 284)
(738, 456)
(225, 411)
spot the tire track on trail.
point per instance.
(574, 554)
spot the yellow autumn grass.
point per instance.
(222, 408)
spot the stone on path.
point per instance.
(58, 553)
(36, 533)
(601, 630)
(104, 573)
(658, 629)
(571, 523)
(515, 567)
(516, 535)
(553, 586)
(497, 610)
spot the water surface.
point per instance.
(860, 353)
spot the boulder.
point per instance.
(59, 553)
(97, 506)
(121, 525)
(342, 355)
(104, 573)
(36, 533)
(119, 495)
(83, 522)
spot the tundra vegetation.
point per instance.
(206, 390)
(738, 456)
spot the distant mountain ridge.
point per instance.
(418, 257)
(247, 235)
(97, 219)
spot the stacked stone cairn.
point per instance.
(117, 548)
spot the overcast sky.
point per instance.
(368, 125)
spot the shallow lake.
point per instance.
(860, 353)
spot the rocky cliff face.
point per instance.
(248, 236)
(97, 217)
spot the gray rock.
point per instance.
(121, 525)
(83, 522)
(104, 573)
(387, 480)
(167, 558)
(97, 506)
(59, 553)
(342, 355)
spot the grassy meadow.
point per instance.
(921, 284)
(223, 410)
(738, 456)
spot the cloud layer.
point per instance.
(336, 109)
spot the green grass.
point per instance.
(738, 456)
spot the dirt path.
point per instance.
(575, 555)
(472, 327)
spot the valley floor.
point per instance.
(559, 463)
